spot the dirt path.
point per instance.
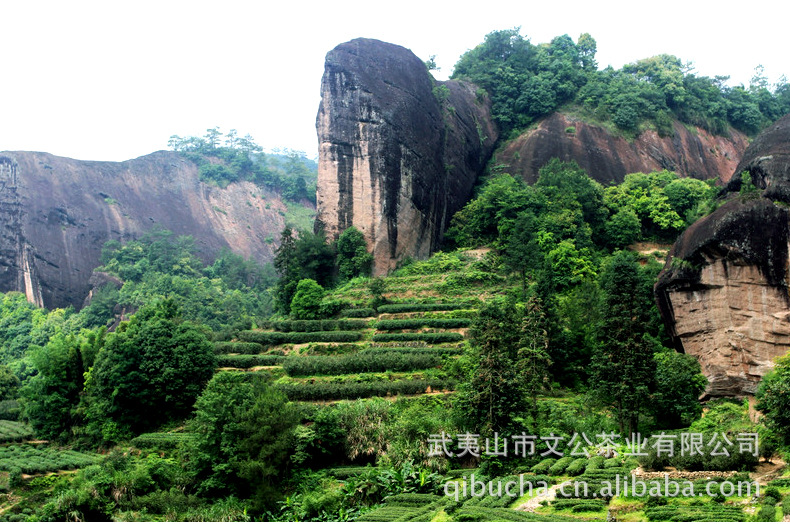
(534, 503)
(766, 471)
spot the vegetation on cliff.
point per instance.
(226, 158)
(528, 81)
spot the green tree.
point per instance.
(306, 303)
(353, 259)
(9, 384)
(50, 398)
(533, 360)
(623, 366)
(150, 371)
(623, 228)
(492, 396)
(243, 435)
(679, 383)
(773, 399)
(287, 266)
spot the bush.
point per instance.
(362, 362)
(576, 467)
(594, 463)
(772, 492)
(767, 513)
(306, 302)
(431, 338)
(560, 466)
(304, 326)
(242, 348)
(274, 338)
(358, 313)
(161, 441)
(354, 390)
(413, 308)
(587, 506)
(248, 361)
(786, 505)
(543, 467)
(417, 323)
(14, 477)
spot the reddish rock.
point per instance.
(608, 158)
(398, 153)
(57, 213)
(723, 292)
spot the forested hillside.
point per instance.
(528, 81)
(528, 351)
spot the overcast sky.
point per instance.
(112, 80)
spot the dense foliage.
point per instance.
(527, 81)
(223, 159)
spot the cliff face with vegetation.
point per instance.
(690, 152)
(57, 213)
(723, 293)
(398, 153)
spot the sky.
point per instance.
(113, 80)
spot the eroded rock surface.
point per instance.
(608, 158)
(56, 214)
(398, 152)
(723, 292)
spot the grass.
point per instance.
(299, 216)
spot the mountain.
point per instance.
(400, 153)
(57, 213)
(608, 157)
(723, 293)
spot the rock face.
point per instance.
(398, 152)
(608, 158)
(57, 213)
(723, 292)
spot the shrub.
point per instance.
(594, 463)
(587, 506)
(560, 466)
(772, 492)
(306, 303)
(304, 326)
(786, 505)
(412, 308)
(353, 390)
(269, 338)
(431, 338)
(242, 348)
(543, 467)
(161, 441)
(576, 467)
(14, 477)
(767, 513)
(417, 323)
(358, 313)
(359, 363)
(248, 361)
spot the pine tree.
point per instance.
(623, 364)
(533, 360)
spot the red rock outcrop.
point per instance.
(398, 153)
(56, 213)
(723, 293)
(608, 158)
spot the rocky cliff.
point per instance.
(56, 213)
(723, 292)
(398, 152)
(608, 158)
